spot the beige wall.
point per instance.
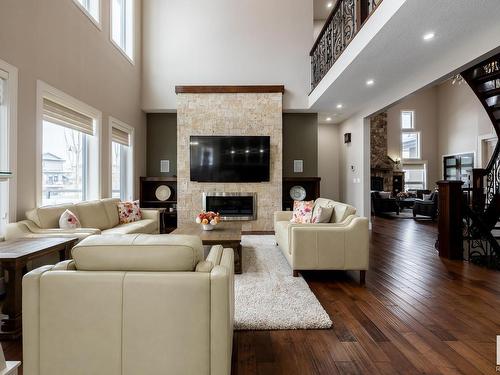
(300, 142)
(230, 114)
(53, 41)
(462, 119)
(328, 160)
(425, 105)
(226, 42)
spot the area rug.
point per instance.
(268, 297)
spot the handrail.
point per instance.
(343, 23)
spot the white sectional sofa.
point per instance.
(341, 244)
(96, 217)
(131, 304)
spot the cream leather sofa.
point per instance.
(96, 217)
(131, 304)
(341, 244)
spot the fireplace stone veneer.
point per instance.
(229, 114)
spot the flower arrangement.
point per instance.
(208, 219)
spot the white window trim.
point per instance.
(117, 124)
(97, 23)
(12, 87)
(401, 121)
(44, 90)
(419, 145)
(415, 162)
(130, 59)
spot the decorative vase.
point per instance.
(208, 226)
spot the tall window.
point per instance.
(415, 176)
(407, 119)
(121, 160)
(410, 145)
(8, 107)
(122, 22)
(67, 154)
(91, 8)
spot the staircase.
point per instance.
(482, 214)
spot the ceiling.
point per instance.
(398, 59)
(321, 10)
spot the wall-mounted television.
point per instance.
(229, 158)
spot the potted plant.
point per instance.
(208, 220)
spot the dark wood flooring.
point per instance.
(417, 314)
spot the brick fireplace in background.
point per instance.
(222, 110)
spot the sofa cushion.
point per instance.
(341, 211)
(92, 214)
(111, 207)
(48, 217)
(69, 220)
(141, 226)
(322, 202)
(302, 212)
(138, 252)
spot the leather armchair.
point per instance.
(131, 304)
(383, 205)
(427, 208)
(341, 244)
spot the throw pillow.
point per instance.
(385, 194)
(426, 197)
(302, 212)
(68, 220)
(322, 215)
(129, 212)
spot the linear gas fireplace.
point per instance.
(232, 206)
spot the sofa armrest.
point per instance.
(282, 216)
(27, 228)
(31, 320)
(330, 246)
(222, 314)
(153, 214)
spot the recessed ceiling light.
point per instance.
(339, 106)
(370, 82)
(428, 36)
(328, 119)
(329, 5)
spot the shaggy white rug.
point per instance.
(268, 297)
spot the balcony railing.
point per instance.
(345, 20)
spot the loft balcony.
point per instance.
(345, 20)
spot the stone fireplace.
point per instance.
(231, 206)
(202, 112)
(382, 167)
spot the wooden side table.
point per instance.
(14, 256)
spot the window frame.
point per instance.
(419, 145)
(44, 90)
(117, 124)
(12, 74)
(97, 22)
(412, 119)
(424, 163)
(123, 51)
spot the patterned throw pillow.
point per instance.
(322, 215)
(68, 220)
(129, 212)
(302, 212)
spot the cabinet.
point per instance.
(310, 185)
(152, 197)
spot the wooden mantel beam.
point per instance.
(249, 89)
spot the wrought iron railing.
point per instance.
(344, 21)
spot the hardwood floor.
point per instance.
(416, 314)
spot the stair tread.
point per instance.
(489, 94)
(487, 77)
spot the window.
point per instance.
(69, 149)
(121, 160)
(415, 176)
(459, 168)
(91, 8)
(122, 33)
(410, 145)
(407, 119)
(8, 104)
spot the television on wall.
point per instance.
(229, 158)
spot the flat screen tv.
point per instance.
(229, 158)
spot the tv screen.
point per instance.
(229, 158)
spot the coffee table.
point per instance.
(14, 256)
(227, 234)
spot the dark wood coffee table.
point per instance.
(227, 234)
(14, 255)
